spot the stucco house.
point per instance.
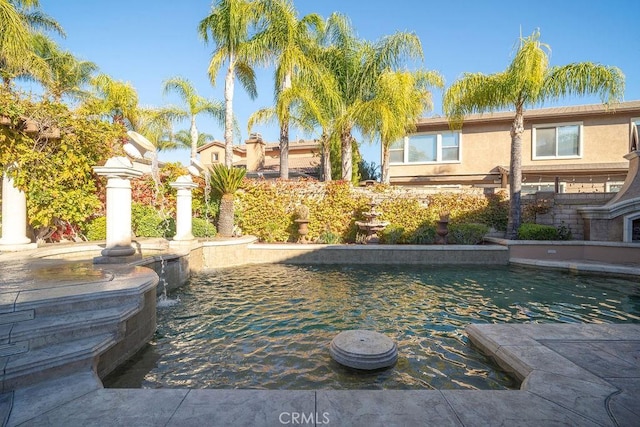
(564, 149)
(262, 160)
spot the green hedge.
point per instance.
(529, 231)
(467, 234)
(203, 228)
(96, 229)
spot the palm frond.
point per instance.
(225, 180)
(584, 78)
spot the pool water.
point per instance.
(270, 326)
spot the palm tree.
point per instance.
(115, 99)
(400, 98)
(65, 73)
(528, 80)
(357, 66)
(20, 19)
(225, 182)
(195, 104)
(290, 40)
(229, 26)
(156, 125)
(182, 139)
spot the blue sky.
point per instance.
(145, 42)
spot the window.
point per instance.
(396, 152)
(531, 188)
(557, 141)
(613, 186)
(215, 157)
(427, 148)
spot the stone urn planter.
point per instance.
(302, 219)
(442, 230)
(303, 230)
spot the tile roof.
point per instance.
(574, 110)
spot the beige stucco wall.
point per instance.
(485, 145)
(206, 155)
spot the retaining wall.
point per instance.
(549, 208)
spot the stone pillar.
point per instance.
(184, 185)
(14, 218)
(119, 172)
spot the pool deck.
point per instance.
(572, 374)
(578, 375)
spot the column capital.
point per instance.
(118, 167)
(184, 182)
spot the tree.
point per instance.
(20, 19)
(115, 99)
(528, 80)
(357, 66)
(55, 173)
(398, 101)
(195, 104)
(225, 182)
(290, 40)
(229, 26)
(65, 74)
(156, 125)
(182, 139)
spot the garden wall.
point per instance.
(549, 208)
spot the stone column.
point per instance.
(184, 184)
(14, 218)
(119, 172)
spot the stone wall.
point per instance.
(549, 208)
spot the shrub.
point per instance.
(96, 229)
(147, 222)
(424, 235)
(467, 234)
(202, 228)
(530, 231)
(564, 232)
(391, 234)
(330, 238)
(407, 214)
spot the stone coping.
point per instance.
(507, 242)
(229, 241)
(574, 374)
(579, 266)
(376, 247)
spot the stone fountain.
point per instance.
(372, 225)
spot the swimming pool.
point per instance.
(269, 326)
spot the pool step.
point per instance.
(16, 316)
(92, 297)
(14, 348)
(56, 326)
(34, 366)
(54, 329)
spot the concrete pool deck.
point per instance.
(577, 374)
(572, 374)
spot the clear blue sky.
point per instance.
(145, 42)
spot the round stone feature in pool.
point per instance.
(362, 349)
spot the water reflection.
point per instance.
(270, 326)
